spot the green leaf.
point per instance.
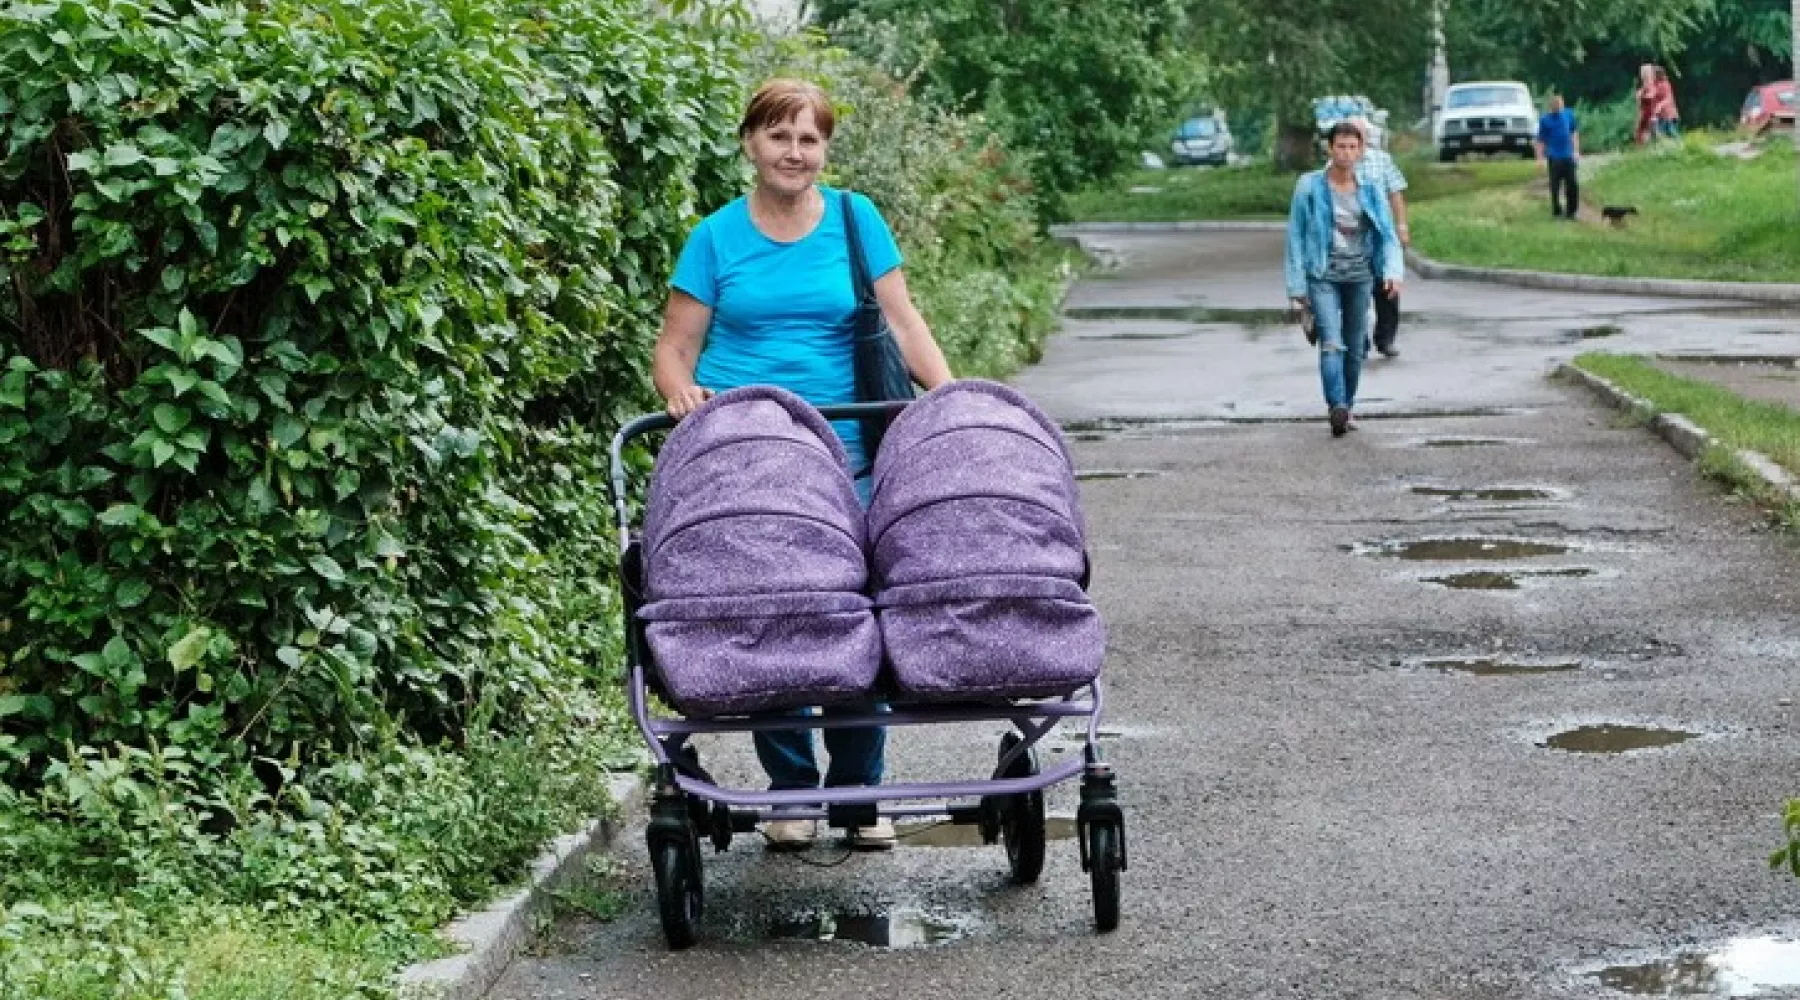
(131, 593)
(327, 568)
(34, 706)
(288, 429)
(182, 381)
(191, 648)
(117, 653)
(121, 514)
(123, 154)
(161, 452)
(81, 161)
(290, 656)
(171, 418)
(276, 132)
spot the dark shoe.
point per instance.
(1388, 350)
(1340, 421)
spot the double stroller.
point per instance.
(759, 585)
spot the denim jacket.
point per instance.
(1309, 234)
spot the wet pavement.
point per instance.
(1338, 769)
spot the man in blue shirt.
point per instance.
(1559, 146)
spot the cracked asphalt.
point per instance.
(1313, 809)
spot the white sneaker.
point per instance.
(790, 834)
(879, 837)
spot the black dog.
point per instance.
(1616, 214)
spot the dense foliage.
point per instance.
(1078, 83)
(318, 314)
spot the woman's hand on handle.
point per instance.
(685, 401)
(1391, 287)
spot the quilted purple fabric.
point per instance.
(754, 561)
(977, 547)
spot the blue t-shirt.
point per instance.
(1556, 131)
(781, 312)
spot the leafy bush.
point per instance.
(317, 316)
(310, 305)
(1079, 84)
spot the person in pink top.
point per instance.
(1668, 116)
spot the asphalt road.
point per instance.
(1314, 808)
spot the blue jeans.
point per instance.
(858, 756)
(1341, 312)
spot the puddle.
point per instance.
(1099, 474)
(1498, 494)
(1616, 739)
(1594, 332)
(1488, 666)
(1463, 549)
(1504, 579)
(937, 834)
(1744, 967)
(900, 928)
(1138, 336)
(1184, 314)
(1469, 442)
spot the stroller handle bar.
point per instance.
(652, 422)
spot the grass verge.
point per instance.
(1700, 215)
(1733, 421)
(1260, 192)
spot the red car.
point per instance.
(1768, 106)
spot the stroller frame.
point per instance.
(687, 804)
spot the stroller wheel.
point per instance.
(1105, 858)
(1022, 817)
(679, 897)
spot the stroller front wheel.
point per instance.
(1105, 859)
(1022, 817)
(678, 890)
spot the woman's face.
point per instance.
(787, 155)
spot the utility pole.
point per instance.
(1437, 79)
(1795, 53)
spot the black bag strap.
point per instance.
(859, 265)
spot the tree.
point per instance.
(1282, 53)
(1080, 83)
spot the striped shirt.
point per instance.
(1376, 169)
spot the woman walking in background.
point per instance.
(1341, 240)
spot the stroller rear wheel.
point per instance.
(679, 897)
(1022, 817)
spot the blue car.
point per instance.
(1201, 141)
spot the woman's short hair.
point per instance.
(781, 100)
(1342, 129)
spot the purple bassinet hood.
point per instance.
(764, 460)
(754, 564)
(978, 550)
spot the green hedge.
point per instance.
(318, 315)
(314, 310)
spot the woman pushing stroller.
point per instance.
(762, 294)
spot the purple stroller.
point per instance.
(757, 586)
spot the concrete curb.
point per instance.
(1074, 230)
(1425, 267)
(1685, 436)
(1749, 291)
(489, 939)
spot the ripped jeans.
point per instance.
(1341, 310)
